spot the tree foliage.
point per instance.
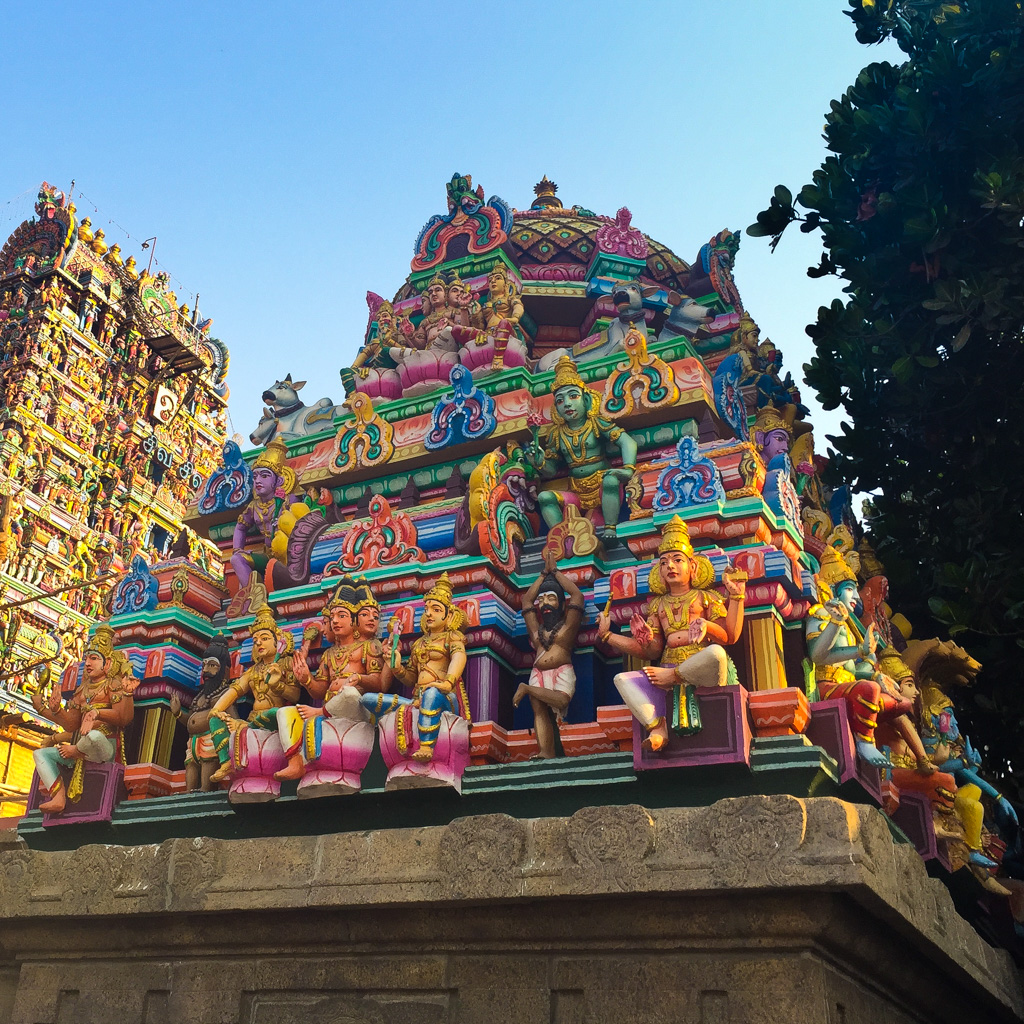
(920, 207)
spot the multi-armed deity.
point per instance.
(582, 443)
(686, 626)
(91, 723)
(433, 672)
(270, 682)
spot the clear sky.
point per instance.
(286, 155)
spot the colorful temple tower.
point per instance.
(112, 411)
(546, 634)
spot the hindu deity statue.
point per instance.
(746, 341)
(437, 314)
(429, 361)
(553, 627)
(270, 679)
(274, 489)
(492, 330)
(775, 431)
(92, 722)
(843, 653)
(941, 665)
(913, 770)
(582, 442)
(686, 627)
(353, 666)
(201, 759)
(434, 672)
(373, 370)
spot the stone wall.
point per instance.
(759, 909)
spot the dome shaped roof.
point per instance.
(553, 235)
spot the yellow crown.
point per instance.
(890, 662)
(441, 591)
(675, 537)
(455, 281)
(769, 418)
(566, 375)
(834, 569)
(275, 457)
(101, 642)
(264, 621)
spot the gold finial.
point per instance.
(675, 537)
(545, 191)
(834, 569)
(566, 375)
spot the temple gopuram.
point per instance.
(112, 412)
(542, 677)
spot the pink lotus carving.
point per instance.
(451, 754)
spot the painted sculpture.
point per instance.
(288, 417)
(201, 759)
(270, 682)
(582, 442)
(92, 723)
(337, 737)
(941, 666)
(433, 672)
(843, 653)
(269, 515)
(553, 624)
(682, 630)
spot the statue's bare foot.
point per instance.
(55, 804)
(222, 773)
(541, 756)
(424, 754)
(657, 737)
(520, 694)
(292, 770)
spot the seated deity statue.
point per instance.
(92, 722)
(582, 443)
(686, 626)
(270, 681)
(843, 654)
(353, 666)
(434, 673)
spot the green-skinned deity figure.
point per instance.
(583, 444)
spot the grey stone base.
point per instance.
(758, 909)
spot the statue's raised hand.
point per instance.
(639, 629)
(175, 705)
(838, 612)
(550, 560)
(870, 644)
(300, 667)
(735, 581)
(604, 623)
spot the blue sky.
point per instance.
(286, 155)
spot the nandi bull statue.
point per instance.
(287, 417)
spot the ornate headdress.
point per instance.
(275, 457)
(769, 418)
(747, 324)
(438, 278)
(675, 536)
(890, 662)
(101, 642)
(442, 593)
(834, 569)
(566, 375)
(264, 621)
(353, 594)
(454, 281)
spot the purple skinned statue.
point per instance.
(274, 498)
